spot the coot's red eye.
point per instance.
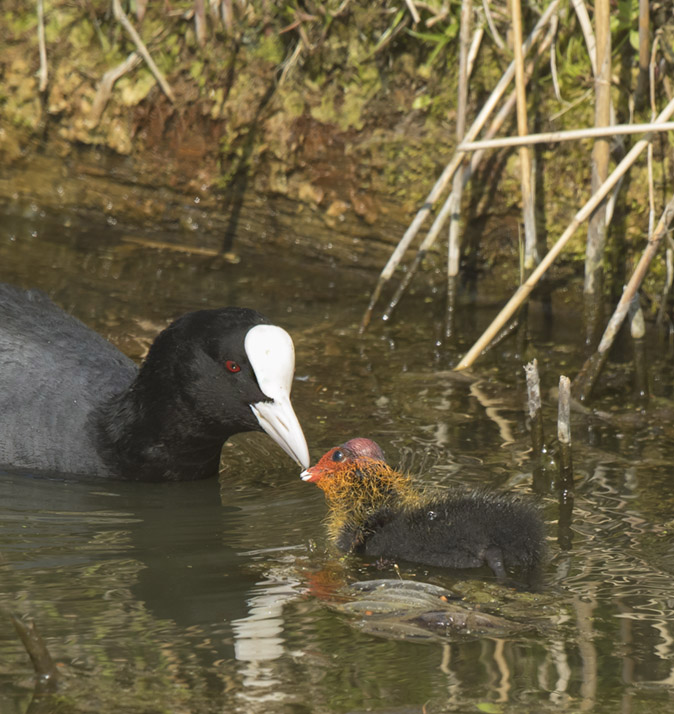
(232, 366)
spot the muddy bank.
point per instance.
(308, 129)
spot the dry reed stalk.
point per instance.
(531, 256)
(669, 247)
(586, 28)
(591, 44)
(474, 49)
(453, 245)
(200, 22)
(587, 377)
(44, 67)
(449, 170)
(596, 227)
(525, 289)
(551, 137)
(120, 15)
(104, 89)
(498, 40)
(441, 218)
(413, 11)
(651, 192)
(228, 15)
(644, 53)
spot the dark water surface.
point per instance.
(220, 596)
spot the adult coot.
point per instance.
(377, 511)
(71, 403)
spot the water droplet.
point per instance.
(432, 515)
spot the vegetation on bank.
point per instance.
(342, 105)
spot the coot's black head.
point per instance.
(233, 372)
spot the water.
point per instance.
(221, 596)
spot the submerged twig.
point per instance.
(43, 664)
(142, 49)
(449, 170)
(525, 289)
(587, 377)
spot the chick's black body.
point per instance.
(460, 530)
(376, 511)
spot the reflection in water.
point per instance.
(258, 640)
(192, 597)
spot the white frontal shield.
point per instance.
(271, 354)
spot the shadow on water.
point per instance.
(219, 597)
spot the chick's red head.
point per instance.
(344, 459)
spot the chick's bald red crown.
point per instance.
(345, 454)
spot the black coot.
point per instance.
(377, 511)
(71, 403)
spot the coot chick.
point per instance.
(376, 511)
(71, 403)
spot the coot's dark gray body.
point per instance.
(52, 376)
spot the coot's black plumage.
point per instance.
(376, 511)
(71, 403)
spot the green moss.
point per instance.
(293, 103)
(58, 22)
(269, 48)
(325, 111)
(81, 35)
(135, 87)
(351, 111)
(18, 23)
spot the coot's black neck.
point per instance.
(145, 439)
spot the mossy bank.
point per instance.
(321, 126)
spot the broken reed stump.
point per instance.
(564, 435)
(589, 372)
(565, 463)
(534, 403)
(635, 316)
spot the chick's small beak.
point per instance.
(309, 475)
